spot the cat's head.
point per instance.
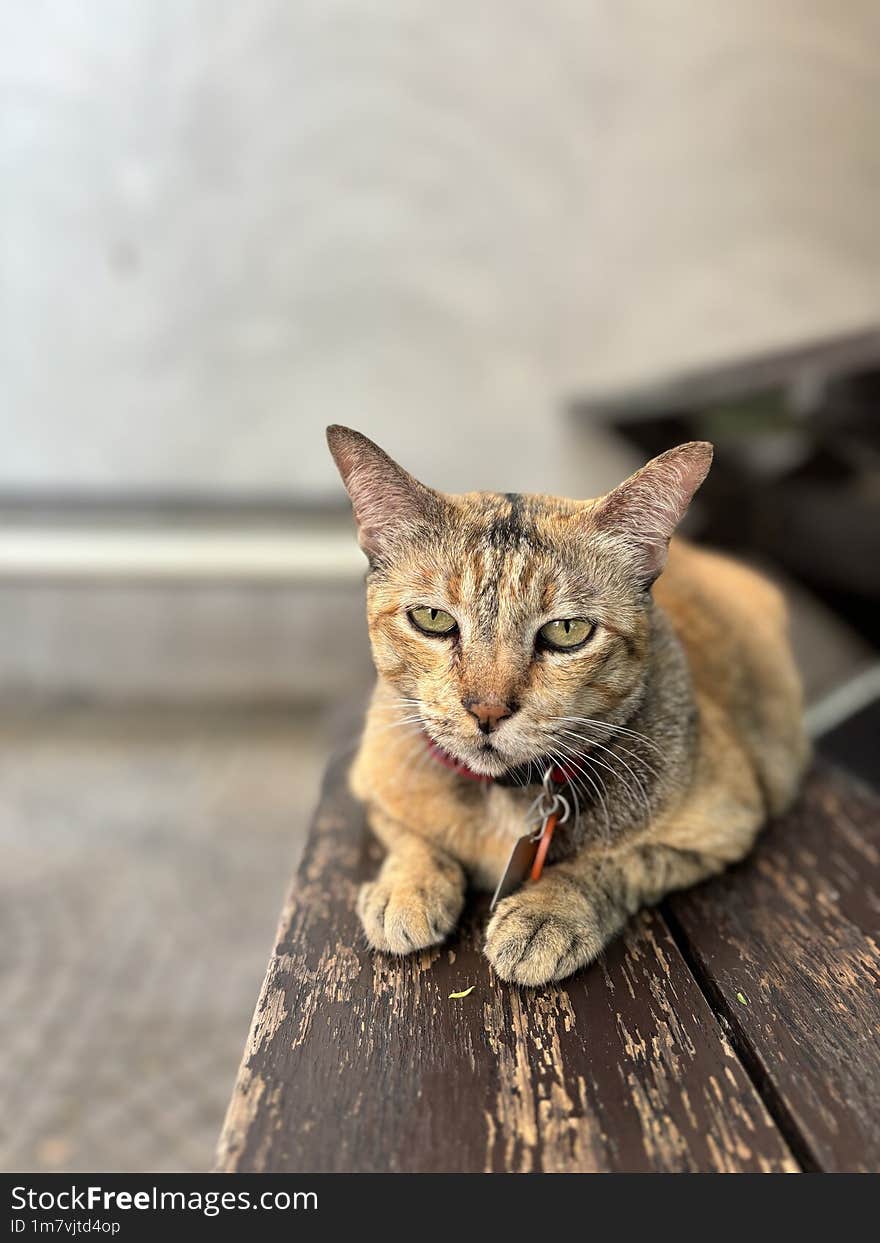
(500, 619)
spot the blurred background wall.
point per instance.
(224, 226)
(471, 231)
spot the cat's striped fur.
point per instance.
(679, 721)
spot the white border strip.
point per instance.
(180, 554)
(843, 702)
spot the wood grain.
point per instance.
(359, 1062)
(787, 948)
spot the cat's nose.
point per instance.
(488, 713)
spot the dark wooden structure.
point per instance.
(736, 1028)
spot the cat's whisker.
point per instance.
(624, 783)
(585, 766)
(395, 710)
(634, 755)
(634, 796)
(404, 727)
(350, 743)
(614, 754)
(574, 791)
(620, 729)
(607, 725)
(605, 856)
(397, 705)
(571, 759)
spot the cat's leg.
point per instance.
(549, 929)
(546, 931)
(416, 899)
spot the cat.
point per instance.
(514, 634)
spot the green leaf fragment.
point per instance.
(742, 999)
(456, 996)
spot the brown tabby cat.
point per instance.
(516, 634)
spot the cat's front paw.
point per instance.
(402, 916)
(543, 932)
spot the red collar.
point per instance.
(558, 773)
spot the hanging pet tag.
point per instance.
(526, 860)
(519, 866)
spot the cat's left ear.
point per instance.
(387, 501)
(646, 508)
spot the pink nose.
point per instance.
(488, 713)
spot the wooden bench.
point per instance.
(733, 1029)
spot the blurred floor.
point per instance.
(145, 857)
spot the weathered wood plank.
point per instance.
(787, 947)
(358, 1062)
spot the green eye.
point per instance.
(566, 633)
(433, 621)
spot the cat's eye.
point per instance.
(433, 621)
(565, 633)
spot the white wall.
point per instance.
(225, 224)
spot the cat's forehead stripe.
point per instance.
(501, 585)
(506, 528)
(502, 560)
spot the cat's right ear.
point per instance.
(645, 509)
(387, 501)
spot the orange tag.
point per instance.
(526, 860)
(543, 845)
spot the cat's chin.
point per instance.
(488, 763)
(484, 761)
